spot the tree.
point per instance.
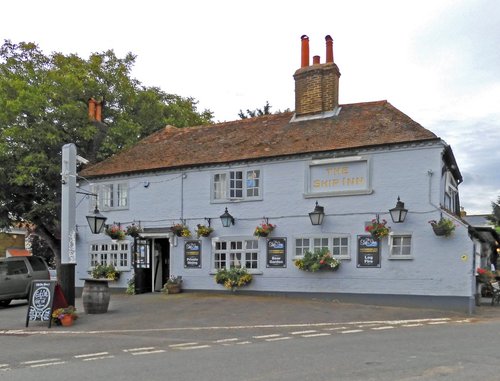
(494, 218)
(266, 110)
(43, 105)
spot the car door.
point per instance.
(17, 277)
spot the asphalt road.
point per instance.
(334, 343)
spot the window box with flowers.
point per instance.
(181, 230)
(264, 229)
(320, 259)
(203, 230)
(377, 229)
(443, 227)
(115, 232)
(233, 278)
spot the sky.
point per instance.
(438, 61)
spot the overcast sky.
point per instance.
(438, 61)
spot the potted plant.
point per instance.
(377, 229)
(173, 285)
(321, 259)
(233, 278)
(105, 272)
(203, 230)
(64, 316)
(181, 230)
(484, 275)
(443, 227)
(264, 229)
(133, 230)
(115, 232)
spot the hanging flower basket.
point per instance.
(264, 229)
(443, 227)
(115, 232)
(181, 230)
(203, 231)
(134, 230)
(377, 229)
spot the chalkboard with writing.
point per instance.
(41, 301)
(368, 251)
(276, 252)
(192, 254)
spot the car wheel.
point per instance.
(5, 303)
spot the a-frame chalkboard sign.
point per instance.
(45, 295)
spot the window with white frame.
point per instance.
(236, 253)
(400, 246)
(110, 253)
(111, 195)
(337, 244)
(451, 201)
(237, 185)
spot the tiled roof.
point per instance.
(357, 125)
(17, 252)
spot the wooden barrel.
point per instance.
(95, 296)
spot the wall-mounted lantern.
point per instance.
(96, 221)
(398, 213)
(317, 215)
(227, 219)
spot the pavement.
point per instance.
(198, 309)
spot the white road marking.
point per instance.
(226, 340)
(353, 331)
(437, 322)
(38, 361)
(181, 345)
(303, 332)
(382, 328)
(266, 336)
(98, 358)
(243, 342)
(47, 364)
(215, 328)
(138, 349)
(279, 338)
(148, 352)
(335, 328)
(91, 355)
(412, 325)
(196, 347)
(317, 334)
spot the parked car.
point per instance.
(16, 274)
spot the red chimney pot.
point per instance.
(305, 51)
(329, 49)
(316, 60)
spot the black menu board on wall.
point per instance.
(276, 252)
(368, 251)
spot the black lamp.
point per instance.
(226, 219)
(317, 215)
(398, 213)
(96, 221)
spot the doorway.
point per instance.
(161, 263)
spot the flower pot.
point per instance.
(66, 320)
(263, 234)
(173, 288)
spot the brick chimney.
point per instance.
(316, 86)
(95, 110)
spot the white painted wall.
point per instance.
(440, 266)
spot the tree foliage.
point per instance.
(266, 110)
(494, 218)
(43, 105)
